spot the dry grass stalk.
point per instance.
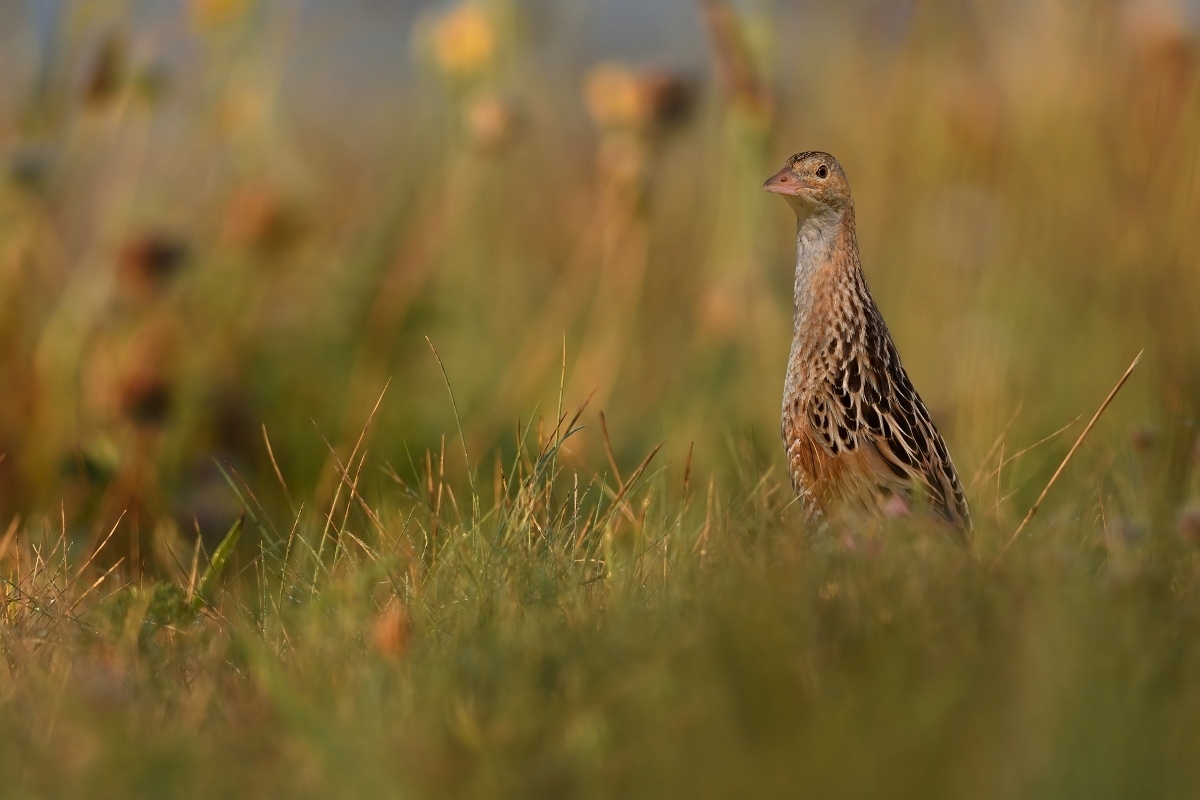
(1038, 503)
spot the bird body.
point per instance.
(856, 433)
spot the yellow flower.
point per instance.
(208, 14)
(464, 41)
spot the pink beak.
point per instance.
(785, 182)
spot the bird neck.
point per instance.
(826, 258)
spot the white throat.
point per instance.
(816, 234)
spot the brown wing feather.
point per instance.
(867, 417)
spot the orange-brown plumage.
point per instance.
(855, 430)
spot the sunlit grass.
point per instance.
(596, 635)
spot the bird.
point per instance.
(858, 437)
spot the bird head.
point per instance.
(811, 182)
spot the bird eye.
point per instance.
(822, 171)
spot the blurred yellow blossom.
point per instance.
(208, 14)
(464, 41)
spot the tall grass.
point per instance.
(600, 636)
(252, 545)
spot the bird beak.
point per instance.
(785, 182)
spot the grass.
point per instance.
(251, 545)
(588, 641)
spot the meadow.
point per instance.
(390, 402)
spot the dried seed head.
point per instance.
(105, 73)
(146, 398)
(147, 262)
(29, 166)
(621, 98)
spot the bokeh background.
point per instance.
(225, 223)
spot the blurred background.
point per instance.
(225, 223)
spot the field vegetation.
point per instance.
(390, 402)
